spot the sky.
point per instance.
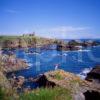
(67, 19)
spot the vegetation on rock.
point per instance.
(56, 93)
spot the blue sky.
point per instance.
(51, 18)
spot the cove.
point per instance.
(78, 62)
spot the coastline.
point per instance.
(18, 82)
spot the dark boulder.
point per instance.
(92, 95)
(43, 82)
(94, 74)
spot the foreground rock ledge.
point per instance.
(79, 88)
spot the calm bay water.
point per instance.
(78, 62)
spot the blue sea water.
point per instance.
(78, 62)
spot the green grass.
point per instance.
(58, 76)
(2, 94)
(56, 93)
(29, 40)
(6, 95)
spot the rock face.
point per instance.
(11, 63)
(43, 82)
(94, 74)
(94, 77)
(4, 83)
(61, 47)
(80, 89)
(92, 95)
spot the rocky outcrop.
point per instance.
(4, 83)
(92, 95)
(75, 45)
(24, 41)
(44, 82)
(61, 47)
(17, 82)
(20, 65)
(11, 63)
(79, 88)
(94, 74)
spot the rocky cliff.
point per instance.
(94, 75)
(80, 89)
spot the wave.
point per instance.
(33, 53)
(25, 59)
(83, 74)
(83, 50)
(64, 54)
(30, 64)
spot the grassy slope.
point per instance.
(56, 93)
(24, 40)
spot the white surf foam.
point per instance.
(30, 64)
(64, 54)
(83, 50)
(83, 74)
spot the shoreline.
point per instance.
(47, 79)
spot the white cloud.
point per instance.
(67, 32)
(70, 35)
(63, 29)
(68, 29)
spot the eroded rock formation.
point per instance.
(94, 74)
